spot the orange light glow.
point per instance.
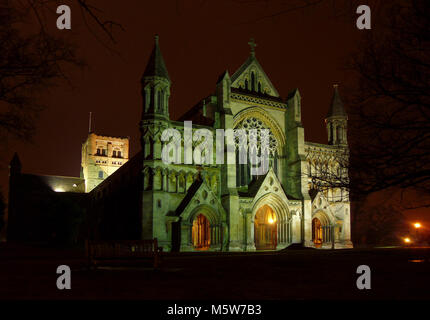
(407, 240)
(271, 220)
(417, 225)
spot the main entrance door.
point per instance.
(265, 229)
(317, 232)
(201, 235)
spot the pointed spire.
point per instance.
(336, 108)
(293, 93)
(223, 76)
(15, 164)
(156, 66)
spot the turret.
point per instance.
(155, 94)
(336, 121)
(155, 86)
(15, 166)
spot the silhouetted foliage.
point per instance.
(390, 109)
(2, 211)
(379, 225)
(33, 57)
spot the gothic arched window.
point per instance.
(252, 81)
(160, 100)
(338, 133)
(243, 171)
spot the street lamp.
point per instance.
(417, 225)
(407, 240)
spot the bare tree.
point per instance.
(390, 108)
(33, 58)
(327, 171)
(337, 9)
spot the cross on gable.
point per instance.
(252, 44)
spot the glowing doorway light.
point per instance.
(407, 240)
(59, 190)
(271, 221)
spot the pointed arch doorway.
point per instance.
(317, 233)
(266, 228)
(322, 232)
(201, 233)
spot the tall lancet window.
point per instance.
(252, 81)
(275, 163)
(160, 100)
(147, 98)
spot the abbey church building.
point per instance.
(200, 206)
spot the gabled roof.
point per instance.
(336, 108)
(188, 197)
(249, 63)
(255, 185)
(156, 66)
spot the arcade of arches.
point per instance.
(321, 232)
(269, 229)
(201, 235)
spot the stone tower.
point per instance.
(155, 118)
(336, 121)
(102, 156)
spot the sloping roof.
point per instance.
(60, 184)
(336, 108)
(188, 197)
(131, 169)
(253, 60)
(196, 116)
(156, 65)
(256, 94)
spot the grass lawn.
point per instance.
(28, 272)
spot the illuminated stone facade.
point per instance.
(214, 207)
(102, 156)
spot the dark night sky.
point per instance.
(304, 49)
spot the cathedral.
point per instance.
(215, 206)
